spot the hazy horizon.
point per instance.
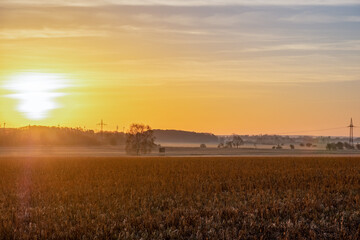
(122, 130)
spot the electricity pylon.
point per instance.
(351, 137)
(102, 124)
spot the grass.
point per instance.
(180, 198)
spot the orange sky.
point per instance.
(223, 67)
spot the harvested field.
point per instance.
(180, 198)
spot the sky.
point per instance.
(220, 66)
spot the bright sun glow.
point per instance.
(36, 92)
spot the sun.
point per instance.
(36, 92)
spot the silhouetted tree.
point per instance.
(348, 145)
(202, 145)
(292, 146)
(331, 146)
(237, 141)
(139, 139)
(340, 145)
(229, 144)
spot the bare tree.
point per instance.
(237, 141)
(139, 139)
(229, 144)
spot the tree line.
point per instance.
(341, 146)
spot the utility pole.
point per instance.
(117, 128)
(351, 137)
(102, 124)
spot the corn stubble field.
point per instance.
(180, 198)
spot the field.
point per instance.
(180, 198)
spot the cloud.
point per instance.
(321, 18)
(206, 42)
(49, 33)
(181, 2)
(332, 46)
(214, 19)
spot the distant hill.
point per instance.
(176, 136)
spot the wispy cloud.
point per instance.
(49, 33)
(246, 43)
(182, 2)
(332, 46)
(321, 18)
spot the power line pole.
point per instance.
(102, 124)
(351, 137)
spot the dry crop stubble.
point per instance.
(180, 198)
